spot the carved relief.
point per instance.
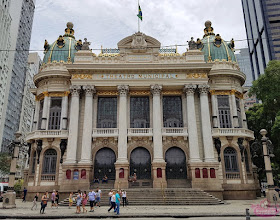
(196, 75)
(81, 76)
(139, 41)
(156, 89)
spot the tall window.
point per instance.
(246, 161)
(224, 111)
(230, 157)
(238, 112)
(49, 165)
(40, 114)
(172, 111)
(139, 112)
(55, 113)
(33, 162)
(107, 112)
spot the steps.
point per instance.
(169, 196)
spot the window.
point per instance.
(139, 112)
(40, 114)
(107, 112)
(55, 114)
(172, 111)
(224, 111)
(247, 161)
(49, 165)
(33, 163)
(238, 112)
(230, 158)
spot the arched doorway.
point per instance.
(140, 163)
(176, 167)
(104, 164)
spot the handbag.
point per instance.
(126, 202)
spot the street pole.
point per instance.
(270, 183)
(9, 198)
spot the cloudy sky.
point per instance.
(106, 22)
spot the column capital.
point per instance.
(75, 90)
(89, 90)
(123, 90)
(203, 88)
(156, 89)
(189, 89)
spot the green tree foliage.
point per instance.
(5, 162)
(18, 186)
(267, 115)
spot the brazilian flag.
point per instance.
(140, 13)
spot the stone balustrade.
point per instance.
(175, 132)
(240, 132)
(47, 134)
(140, 132)
(231, 176)
(105, 132)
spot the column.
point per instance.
(192, 127)
(36, 115)
(157, 123)
(242, 107)
(45, 111)
(86, 156)
(234, 109)
(74, 124)
(64, 111)
(122, 142)
(206, 124)
(214, 104)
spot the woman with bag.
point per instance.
(44, 203)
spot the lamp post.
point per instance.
(271, 193)
(9, 200)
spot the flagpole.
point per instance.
(138, 18)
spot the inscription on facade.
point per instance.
(140, 76)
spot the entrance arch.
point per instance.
(176, 167)
(104, 164)
(140, 163)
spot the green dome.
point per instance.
(63, 49)
(215, 48)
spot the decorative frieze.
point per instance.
(196, 75)
(172, 92)
(107, 93)
(81, 76)
(227, 92)
(156, 89)
(140, 93)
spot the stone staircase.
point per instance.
(169, 196)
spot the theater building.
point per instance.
(176, 120)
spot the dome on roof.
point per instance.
(64, 48)
(214, 47)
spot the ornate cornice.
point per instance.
(140, 92)
(156, 89)
(172, 92)
(227, 92)
(46, 94)
(107, 93)
(189, 89)
(203, 89)
(89, 90)
(123, 90)
(75, 90)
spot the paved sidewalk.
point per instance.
(232, 208)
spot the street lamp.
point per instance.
(9, 200)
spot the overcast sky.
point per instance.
(106, 22)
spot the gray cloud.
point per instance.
(105, 22)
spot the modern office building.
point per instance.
(262, 21)
(244, 62)
(21, 12)
(173, 120)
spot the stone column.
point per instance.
(158, 161)
(36, 115)
(86, 156)
(64, 111)
(215, 113)
(45, 111)
(192, 127)
(206, 124)
(244, 120)
(234, 109)
(74, 125)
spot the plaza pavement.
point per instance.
(233, 209)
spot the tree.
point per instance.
(5, 162)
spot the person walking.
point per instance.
(98, 196)
(35, 200)
(70, 200)
(113, 201)
(110, 195)
(53, 198)
(84, 201)
(56, 199)
(79, 201)
(44, 202)
(24, 195)
(91, 197)
(118, 202)
(124, 197)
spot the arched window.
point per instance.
(246, 161)
(33, 162)
(230, 157)
(50, 159)
(55, 113)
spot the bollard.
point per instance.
(248, 214)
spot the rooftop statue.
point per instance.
(86, 45)
(192, 44)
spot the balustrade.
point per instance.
(232, 176)
(216, 132)
(105, 132)
(48, 177)
(47, 134)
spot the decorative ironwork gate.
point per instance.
(104, 164)
(176, 167)
(140, 163)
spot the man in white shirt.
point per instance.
(91, 197)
